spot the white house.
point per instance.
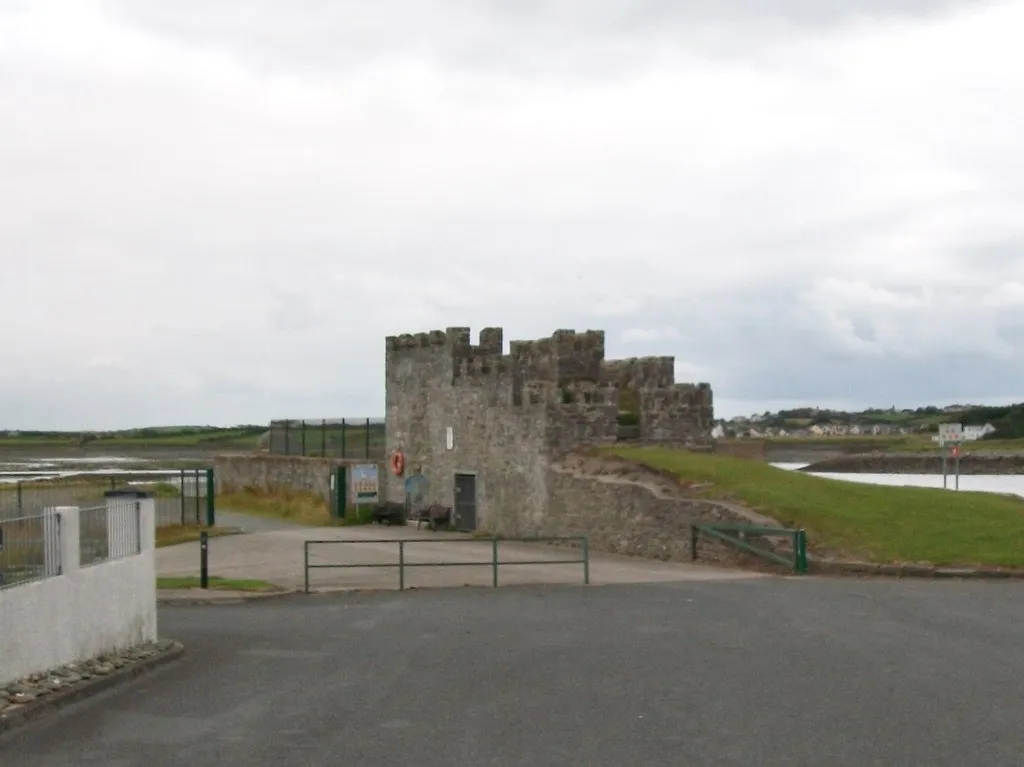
(977, 432)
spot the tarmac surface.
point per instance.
(767, 671)
(274, 552)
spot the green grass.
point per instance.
(868, 522)
(298, 507)
(214, 582)
(172, 535)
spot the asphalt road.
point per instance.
(754, 672)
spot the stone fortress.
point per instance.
(488, 429)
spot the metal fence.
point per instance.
(183, 496)
(110, 531)
(356, 438)
(29, 548)
(493, 561)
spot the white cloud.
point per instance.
(242, 199)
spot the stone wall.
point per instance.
(625, 508)
(920, 463)
(277, 473)
(511, 414)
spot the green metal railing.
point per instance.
(730, 533)
(494, 563)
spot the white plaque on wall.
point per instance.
(449, 438)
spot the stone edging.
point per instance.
(210, 598)
(50, 699)
(834, 567)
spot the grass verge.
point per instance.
(867, 522)
(221, 584)
(901, 443)
(172, 535)
(298, 507)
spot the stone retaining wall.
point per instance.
(278, 473)
(917, 463)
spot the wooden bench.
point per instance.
(435, 516)
(389, 513)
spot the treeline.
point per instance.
(1008, 420)
(143, 433)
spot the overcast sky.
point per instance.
(213, 211)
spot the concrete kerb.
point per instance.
(879, 570)
(34, 709)
(171, 597)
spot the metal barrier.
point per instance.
(494, 562)
(722, 532)
(30, 548)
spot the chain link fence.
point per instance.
(355, 438)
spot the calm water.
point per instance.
(987, 483)
(990, 483)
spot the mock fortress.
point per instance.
(458, 408)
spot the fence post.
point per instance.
(19, 498)
(211, 501)
(344, 429)
(61, 540)
(401, 565)
(586, 562)
(286, 424)
(494, 562)
(801, 562)
(195, 483)
(181, 493)
(366, 435)
(204, 557)
(305, 564)
(323, 437)
(693, 543)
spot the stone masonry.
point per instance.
(513, 415)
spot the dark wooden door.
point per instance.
(465, 502)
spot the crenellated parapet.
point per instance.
(566, 374)
(640, 372)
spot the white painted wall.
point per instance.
(84, 612)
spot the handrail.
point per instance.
(494, 562)
(720, 531)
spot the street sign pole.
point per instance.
(956, 456)
(951, 435)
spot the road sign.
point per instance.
(951, 433)
(365, 483)
(956, 451)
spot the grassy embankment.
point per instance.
(297, 507)
(866, 522)
(888, 444)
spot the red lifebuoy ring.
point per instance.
(397, 463)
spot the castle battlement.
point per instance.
(568, 368)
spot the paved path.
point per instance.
(774, 671)
(277, 557)
(252, 523)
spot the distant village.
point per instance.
(809, 423)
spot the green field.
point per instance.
(866, 522)
(240, 437)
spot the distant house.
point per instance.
(977, 432)
(718, 432)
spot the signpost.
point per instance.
(365, 484)
(951, 436)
